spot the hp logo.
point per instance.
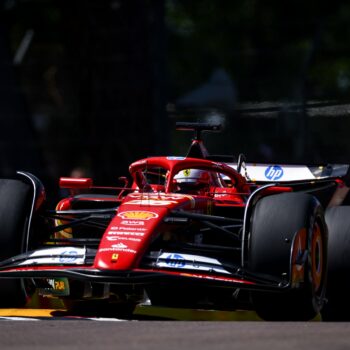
(274, 172)
(175, 260)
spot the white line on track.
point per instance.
(102, 319)
(2, 318)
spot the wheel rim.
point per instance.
(317, 258)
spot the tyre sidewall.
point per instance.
(337, 307)
(275, 221)
(14, 214)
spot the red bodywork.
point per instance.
(141, 213)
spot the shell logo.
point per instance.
(138, 215)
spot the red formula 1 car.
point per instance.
(189, 232)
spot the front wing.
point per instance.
(55, 263)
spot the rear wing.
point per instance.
(286, 172)
(259, 172)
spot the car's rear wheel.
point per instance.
(337, 307)
(275, 222)
(14, 200)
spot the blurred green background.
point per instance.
(91, 85)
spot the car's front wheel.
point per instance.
(275, 222)
(14, 212)
(337, 307)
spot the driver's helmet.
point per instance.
(192, 181)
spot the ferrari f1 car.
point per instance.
(193, 232)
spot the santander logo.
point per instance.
(120, 245)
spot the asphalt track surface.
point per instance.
(172, 335)
(55, 330)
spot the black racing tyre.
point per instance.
(337, 307)
(275, 221)
(14, 212)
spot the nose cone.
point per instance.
(128, 237)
